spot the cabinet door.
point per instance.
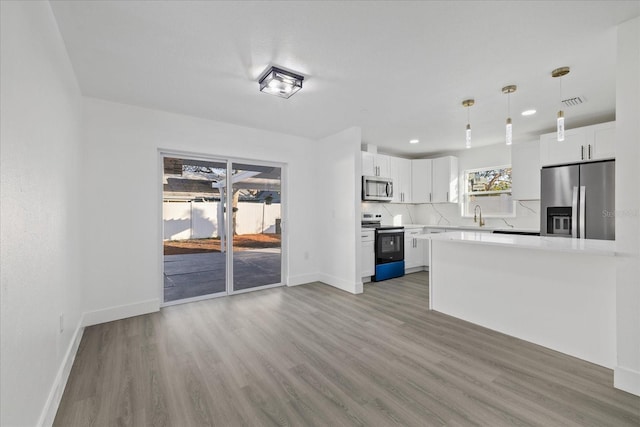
(445, 179)
(421, 170)
(572, 149)
(368, 259)
(368, 164)
(413, 249)
(401, 175)
(525, 170)
(425, 248)
(603, 145)
(383, 165)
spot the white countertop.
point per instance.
(562, 244)
(471, 228)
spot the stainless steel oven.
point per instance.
(389, 251)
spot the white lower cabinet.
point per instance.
(368, 254)
(413, 249)
(426, 242)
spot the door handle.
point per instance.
(574, 213)
(582, 152)
(581, 218)
(589, 151)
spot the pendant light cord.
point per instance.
(560, 92)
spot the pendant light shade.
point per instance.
(508, 90)
(560, 125)
(558, 73)
(468, 103)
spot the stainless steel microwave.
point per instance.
(377, 189)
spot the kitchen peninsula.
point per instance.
(552, 291)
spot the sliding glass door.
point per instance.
(194, 228)
(256, 226)
(210, 249)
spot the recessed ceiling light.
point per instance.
(528, 112)
(414, 141)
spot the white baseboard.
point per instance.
(345, 285)
(121, 312)
(50, 409)
(627, 380)
(303, 279)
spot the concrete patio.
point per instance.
(192, 275)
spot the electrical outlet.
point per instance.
(61, 323)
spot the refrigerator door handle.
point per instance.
(582, 211)
(574, 213)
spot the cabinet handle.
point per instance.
(589, 151)
(447, 196)
(582, 152)
(429, 196)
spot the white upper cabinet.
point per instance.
(421, 186)
(375, 165)
(604, 141)
(434, 180)
(401, 174)
(445, 180)
(525, 171)
(596, 142)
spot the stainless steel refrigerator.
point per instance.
(578, 201)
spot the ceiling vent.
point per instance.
(572, 102)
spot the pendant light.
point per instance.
(468, 103)
(509, 126)
(559, 72)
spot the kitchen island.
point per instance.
(552, 291)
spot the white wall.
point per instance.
(122, 275)
(40, 123)
(627, 373)
(338, 222)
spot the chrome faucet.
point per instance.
(477, 210)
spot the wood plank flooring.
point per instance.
(312, 355)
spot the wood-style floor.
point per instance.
(314, 355)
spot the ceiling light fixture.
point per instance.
(528, 112)
(509, 127)
(414, 141)
(468, 103)
(280, 82)
(559, 72)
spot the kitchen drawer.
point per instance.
(368, 235)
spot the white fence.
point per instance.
(197, 220)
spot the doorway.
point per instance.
(222, 227)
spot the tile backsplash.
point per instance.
(527, 215)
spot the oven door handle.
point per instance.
(397, 231)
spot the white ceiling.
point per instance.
(400, 70)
